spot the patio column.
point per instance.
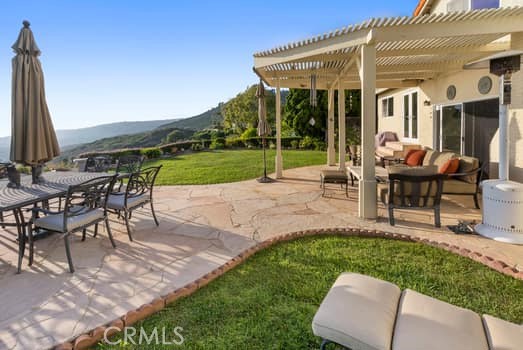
(367, 207)
(279, 159)
(331, 150)
(341, 124)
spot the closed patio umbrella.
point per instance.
(264, 128)
(33, 139)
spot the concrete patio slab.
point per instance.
(201, 228)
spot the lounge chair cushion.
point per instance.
(454, 186)
(358, 312)
(503, 335)
(467, 164)
(55, 222)
(334, 175)
(117, 201)
(430, 324)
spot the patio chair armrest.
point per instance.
(42, 210)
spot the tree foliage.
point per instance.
(298, 111)
(241, 112)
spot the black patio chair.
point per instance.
(85, 205)
(127, 165)
(99, 164)
(412, 191)
(138, 193)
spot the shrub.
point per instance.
(218, 143)
(196, 147)
(249, 133)
(319, 145)
(295, 144)
(307, 143)
(151, 152)
(272, 145)
(234, 142)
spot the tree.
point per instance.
(298, 111)
(241, 112)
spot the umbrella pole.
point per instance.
(265, 178)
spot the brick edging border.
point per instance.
(91, 338)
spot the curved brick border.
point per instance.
(91, 338)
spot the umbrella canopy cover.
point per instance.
(264, 128)
(33, 139)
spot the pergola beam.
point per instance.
(318, 47)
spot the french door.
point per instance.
(410, 116)
(468, 128)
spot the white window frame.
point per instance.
(385, 101)
(409, 93)
(467, 3)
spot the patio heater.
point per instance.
(502, 198)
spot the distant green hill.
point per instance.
(201, 121)
(143, 139)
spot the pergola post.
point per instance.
(331, 150)
(279, 158)
(341, 125)
(367, 206)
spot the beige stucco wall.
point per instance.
(466, 90)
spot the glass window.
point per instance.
(484, 4)
(387, 107)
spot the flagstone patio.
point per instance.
(201, 228)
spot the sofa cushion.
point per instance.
(415, 157)
(467, 164)
(503, 335)
(450, 166)
(437, 158)
(430, 324)
(454, 186)
(358, 312)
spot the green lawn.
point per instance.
(228, 166)
(269, 301)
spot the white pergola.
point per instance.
(393, 52)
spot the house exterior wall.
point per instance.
(466, 83)
(440, 6)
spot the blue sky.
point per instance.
(107, 61)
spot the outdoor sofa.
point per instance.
(364, 313)
(462, 173)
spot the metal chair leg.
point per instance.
(109, 233)
(391, 216)
(126, 217)
(31, 244)
(95, 230)
(68, 252)
(154, 214)
(84, 233)
(476, 201)
(21, 249)
(2, 218)
(437, 221)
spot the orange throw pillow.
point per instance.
(415, 157)
(450, 167)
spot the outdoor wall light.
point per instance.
(426, 103)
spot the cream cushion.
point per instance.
(55, 222)
(358, 312)
(451, 186)
(117, 201)
(430, 324)
(467, 164)
(437, 158)
(503, 335)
